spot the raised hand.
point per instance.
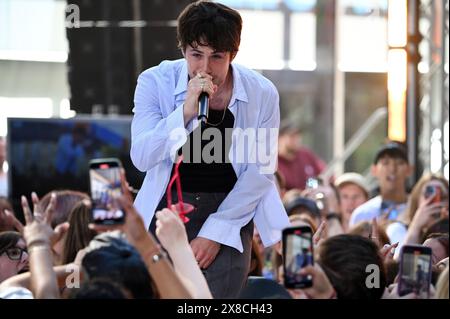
(37, 229)
(388, 251)
(326, 195)
(170, 229)
(319, 234)
(39, 236)
(426, 213)
(321, 288)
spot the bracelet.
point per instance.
(333, 215)
(159, 256)
(38, 242)
(38, 247)
(155, 254)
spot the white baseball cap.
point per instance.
(352, 178)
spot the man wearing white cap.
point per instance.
(353, 192)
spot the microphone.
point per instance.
(203, 107)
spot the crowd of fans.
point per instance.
(59, 253)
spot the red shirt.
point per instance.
(306, 164)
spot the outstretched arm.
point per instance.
(37, 234)
(172, 235)
(161, 270)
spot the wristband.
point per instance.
(38, 242)
(333, 215)
(157, 257)
(155, 254)
(38, 247)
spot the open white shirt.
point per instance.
(158, 132)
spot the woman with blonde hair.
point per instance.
(424, 207)
(442, 285)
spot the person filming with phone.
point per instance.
(178, 101)
(427, 205)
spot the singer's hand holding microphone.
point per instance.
(200, 88)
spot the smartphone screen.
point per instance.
(312, 183)
(105, 190)
(297, 254)
(415, 271)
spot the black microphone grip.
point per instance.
(203, 107)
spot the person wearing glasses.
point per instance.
(228, 191)
(13, 255)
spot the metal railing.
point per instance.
(356, 140)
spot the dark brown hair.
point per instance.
(5, 204)
(345, 260)
(78, 235)
(392, 269)
(66, 200)
(442, 238)
(209, 24)
(440, 226)
(9, 239)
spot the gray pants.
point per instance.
(227, 274)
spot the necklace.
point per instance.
(223, 117)
(226, 103)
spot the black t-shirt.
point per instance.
(212, 173)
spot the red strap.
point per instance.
(180, 205)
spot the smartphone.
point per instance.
(313, 183)
(415, 271)
(105, 184)
(297, 254)
(319, 198)
(433, 191)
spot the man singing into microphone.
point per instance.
(230, 192)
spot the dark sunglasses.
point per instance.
(182, 208)
(15, 253)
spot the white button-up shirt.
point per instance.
(158, 131)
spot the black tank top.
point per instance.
(212, 173)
